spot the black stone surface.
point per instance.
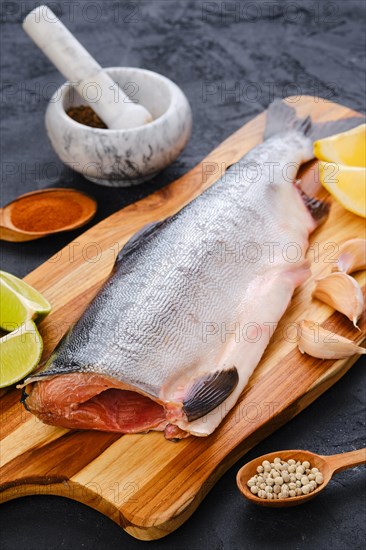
(231, 59)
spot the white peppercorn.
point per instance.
(284, 479)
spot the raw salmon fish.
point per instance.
(172, 338)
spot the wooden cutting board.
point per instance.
(146, 484)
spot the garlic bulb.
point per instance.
(343, 293)
(318, 342)
(352, 256)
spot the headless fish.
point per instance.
(150, 352)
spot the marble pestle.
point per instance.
(83, 72)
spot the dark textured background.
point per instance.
(256, 50)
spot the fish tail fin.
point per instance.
(282, 118)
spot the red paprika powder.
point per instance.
(41, 214)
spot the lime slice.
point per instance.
(19, 302)
(346, 184)
(20, 353)
(347, 148)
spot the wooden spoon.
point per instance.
(10, 232)
(327, 465)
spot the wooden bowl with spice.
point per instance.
(43, 212)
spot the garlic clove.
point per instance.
(352, 256)
(343, 293)
(323, 344)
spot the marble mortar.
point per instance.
(122, 157)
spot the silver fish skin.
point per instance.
(190, 307)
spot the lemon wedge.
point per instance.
(342, 168)
(347, 184)
(348, 148)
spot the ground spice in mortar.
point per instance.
(35, 213)
(85, 115)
